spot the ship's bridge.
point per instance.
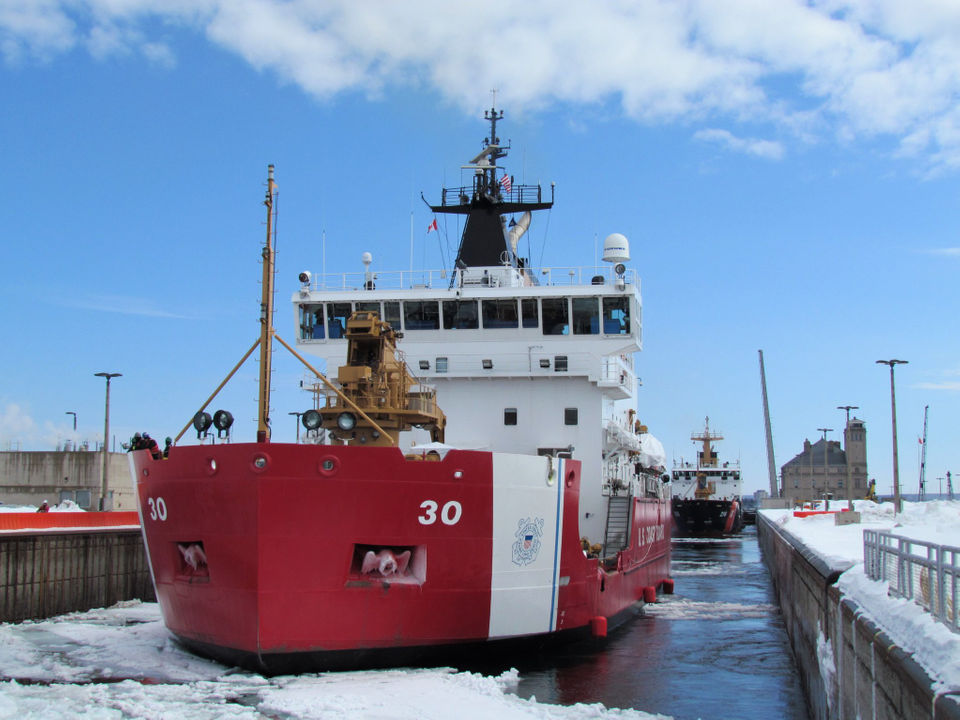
(488, 321)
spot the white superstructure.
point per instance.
(525, 360)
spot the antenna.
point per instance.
(923, 455)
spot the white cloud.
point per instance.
(945, 385)
(948, 251)
(850, 68)
(751, 146)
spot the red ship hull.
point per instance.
(258, 553)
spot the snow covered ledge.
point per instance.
(861, 654)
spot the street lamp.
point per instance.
(71, 412)
(826, 479)
(846, 443)
(298, 414)
(893, 414)
(106, 438)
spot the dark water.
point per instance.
(714, 650)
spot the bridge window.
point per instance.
(509, 416)
(570, 416)
(391, 313)
(500, 313)
(528, 311)
(555, 316)
(337, 314)
(586, 316)
(421, 315)
(311, 322)
(369, 307)
(460, 315)
(616, 315)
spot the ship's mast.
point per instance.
(266, 317)
(707, 458)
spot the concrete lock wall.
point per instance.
(850, 669)
(29, 478)
(51, 573)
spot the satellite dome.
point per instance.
(616, 248)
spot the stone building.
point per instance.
(29, 478)
(824, 468)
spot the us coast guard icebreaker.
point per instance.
(483, 474)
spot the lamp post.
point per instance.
(71, 412)
(106, 439)
(298, 414)
(893, 414)
(826, 479)
(846, 442)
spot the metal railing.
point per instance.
(921, 571)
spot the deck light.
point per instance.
(202, 422)
(312, 420)
(222, 420)
(346, 421)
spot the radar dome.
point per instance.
(616, 248)
(366, 258)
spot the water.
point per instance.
(715, 650)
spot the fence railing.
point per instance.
(921, 571)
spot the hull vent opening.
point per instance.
(402, 564)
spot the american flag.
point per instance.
(505, 183)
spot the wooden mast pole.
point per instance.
(266, 317)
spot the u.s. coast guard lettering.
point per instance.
(650, 534)
(527, 545)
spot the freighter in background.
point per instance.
(706, 495)
(515, 497)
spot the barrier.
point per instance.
(48, 520)
(928, 577)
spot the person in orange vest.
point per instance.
(152, 446)
(43, 507)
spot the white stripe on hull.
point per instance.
(527, 528)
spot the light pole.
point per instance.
(846, 442)
(298, 414)
(106, 439)
(893, 414)
(826, 479)
(71, 412)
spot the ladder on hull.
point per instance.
(616, 536)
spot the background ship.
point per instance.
(516, 497)
(706, 495)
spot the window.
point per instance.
(570, 416)
(555, 316)
(586, 316)
(460, 315)
(528, 311)
(500, 313)
(441, 365)
(311, 322)
(616, 315)
(423, 315)
(391, 313)
(369, 307)
(559, 363)
(83, 498)
(66, 495)
(337, 314)
(509, 416)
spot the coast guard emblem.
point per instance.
(527, 545)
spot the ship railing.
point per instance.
(464, 195)
(924, 572)
(616, 373)
(553, 276)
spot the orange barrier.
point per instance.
(47, 520)
(808, 513)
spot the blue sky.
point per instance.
(787, 174)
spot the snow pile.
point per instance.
(931, 643)
(122, 662)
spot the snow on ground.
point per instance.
(121, 662)
(65, 506)
(932, 644)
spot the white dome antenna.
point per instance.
(616, 248)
